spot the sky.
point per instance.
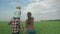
(40, 9)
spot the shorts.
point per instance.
(32, 31)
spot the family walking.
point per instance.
(16, 23)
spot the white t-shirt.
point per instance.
(17, 13)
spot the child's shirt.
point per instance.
(29, 23)
(17, 13)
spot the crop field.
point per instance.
(44, 27)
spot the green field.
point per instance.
(46, 27)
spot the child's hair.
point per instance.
(29, 13)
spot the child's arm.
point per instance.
(25, 28)
(32, 19)
(24, 32)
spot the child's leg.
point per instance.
(28, 32)
(31, 31)
(34, 32)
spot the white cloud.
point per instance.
(41, 7)
(14, 3)
(34, 0)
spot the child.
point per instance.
(15, 21)
(29, 24)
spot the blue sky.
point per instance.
(41, 9)
(7, 7)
